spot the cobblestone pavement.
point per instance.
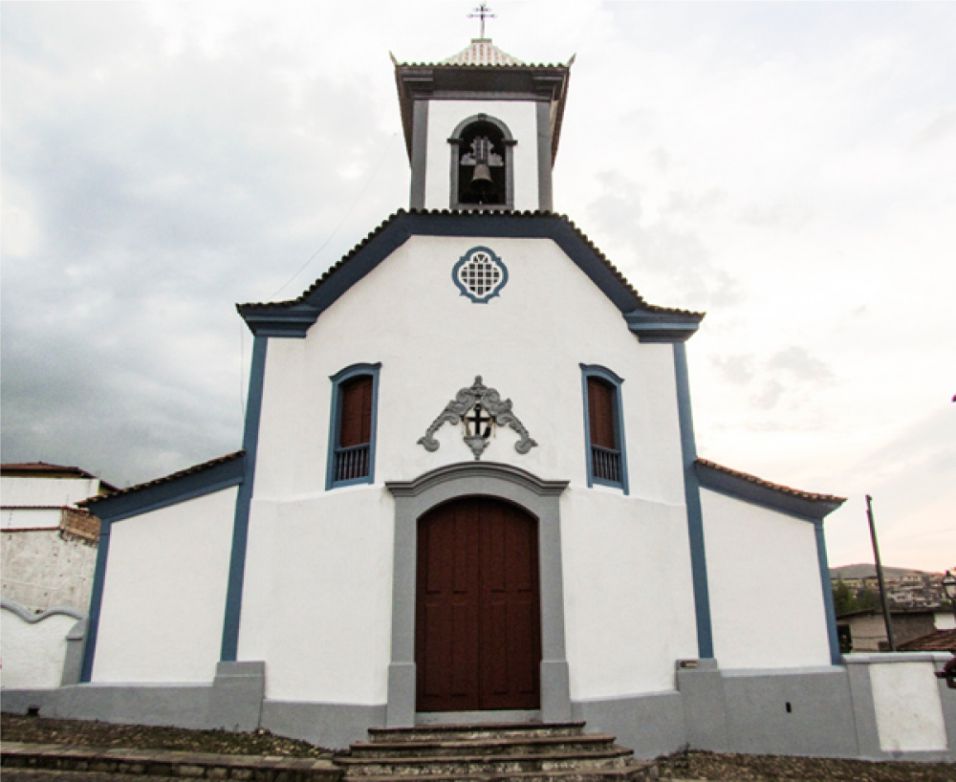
(684, 766)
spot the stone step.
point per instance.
(497, 745)
(637, 771)
(150, 762)
(503, 766)
(479, 730)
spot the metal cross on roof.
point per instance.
(482, 12)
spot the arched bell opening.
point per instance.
(482, 166)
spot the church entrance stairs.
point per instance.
(532, 752)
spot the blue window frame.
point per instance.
(351, 458)
(603, 427)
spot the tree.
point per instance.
(843, 598)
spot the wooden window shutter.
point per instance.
(355, 424)
(601, 398)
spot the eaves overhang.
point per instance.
(670, 327)
(422, 81)
(293, 318)
(214, 475)
(808, 506)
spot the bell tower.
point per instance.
(481, 129)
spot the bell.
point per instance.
(481, 179)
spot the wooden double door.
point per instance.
(477, 621)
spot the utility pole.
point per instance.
(879, 575)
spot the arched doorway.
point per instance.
(477, 616)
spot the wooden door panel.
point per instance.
(477, 642)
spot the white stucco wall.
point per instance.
(628, 594)
(521, 119)
(766, 598)
(33, 652)
(30, 518)
(16, 490)
(317, 603)
(909, 713)
(165, 589)
(317, 599)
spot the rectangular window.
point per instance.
(606, 463)
(352, 441)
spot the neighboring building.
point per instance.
(905, 588)
(469, 491)
(867, 629)
(49, 543)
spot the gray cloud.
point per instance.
(737, 369)
(663, 249)
(942, 126)
(798, 362)
(159, 193)
(769, 395)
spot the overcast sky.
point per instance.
(788, 168)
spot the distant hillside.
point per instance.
(866, 570)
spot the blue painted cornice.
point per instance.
(652, 326)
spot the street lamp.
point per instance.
(949, 587)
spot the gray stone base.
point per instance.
(331, 725)
(823, 712)
(651, 725)
(790, 713)
(232, 701)
(184, 706)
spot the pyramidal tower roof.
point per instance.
(481, 69)
(481, 51)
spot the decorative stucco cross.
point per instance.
(478, 399)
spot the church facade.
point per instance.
(469, 491)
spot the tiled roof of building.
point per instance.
(939, 641)
(196, 468)
(481, 51)
(43, 468)
(476, 214)
(803, 495)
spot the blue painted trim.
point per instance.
(695, 516)
(354, 370)
(464, 290)
(596, 370)
(292, 321)
(187, 487)
(662, 326)
(240, 527)
(285, 319)
(96, 601)
(828, 608)
(739, 488)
